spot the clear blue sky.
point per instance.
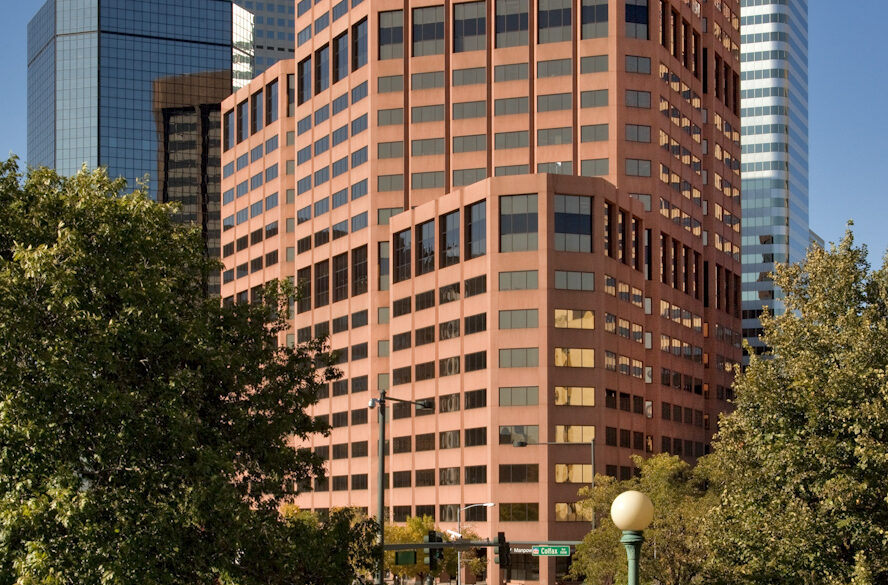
(848, 113)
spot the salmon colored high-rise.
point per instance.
(525, 210)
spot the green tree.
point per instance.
(673, 552)
(339, 548)
(413, 530)
(146, 431)
(802, 461)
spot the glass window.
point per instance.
(425, 247)
(554, 19)
(476, 230)
(518, 223)
(573, 223)
(391, 34)
(359, 45)
(303, 72)
(340, 57)
(593, 19)
(511, 23)
(449, 228)
(637, 19)
(322, 70)
(428, 31)
(469, 26)
(402, 257)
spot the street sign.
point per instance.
(405, 557)
(550, 551)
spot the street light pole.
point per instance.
(381, 488)
(632, 512)
(381, 402)
(459, 531)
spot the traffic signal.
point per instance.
(503, 551)
(429, 558)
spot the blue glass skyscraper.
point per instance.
(774, 113)
(92, 68)
(135, 86)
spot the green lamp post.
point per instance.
(632, 512)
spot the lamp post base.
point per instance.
(632, 540)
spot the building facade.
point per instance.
(774, 109)
(526, 211)
(274, 30)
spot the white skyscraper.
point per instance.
(774, 102)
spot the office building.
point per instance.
(116, 83)
(774, 111)
(274, 31)
(527, 212)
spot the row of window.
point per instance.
(331, 61)
(339, 167)
(448, 293)
(254, 265)
(323, 236)
(254, 210)
(250, 115)
(256, 153)
(554, 23)
(323, 113)
(317, 286)
(688, 416)
(247, 240)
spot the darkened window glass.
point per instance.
(554, 17)
(593, 19)
(573, 223)
(476, 230)
(359, 270)
(425, 247)
(322, 70)
(518, 223)
(402, 257)
(475, 399)
(449, 227)
(243, 126)
(637, 19)
(359, 45)
(391, 34)
(303, 72)
(428, 31)
(340, 57)
(322, 283)
(511, 23)
(257, 118)
(469, 26)
(340, 277)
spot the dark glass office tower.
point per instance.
(135, 86)
(92, 65)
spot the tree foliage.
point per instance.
(340, 548)
(802, 462)
(145, 431)
(673, 552)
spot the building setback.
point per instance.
(774, 44)
(525, 211)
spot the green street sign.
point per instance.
(405, 557)
(550, 551)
